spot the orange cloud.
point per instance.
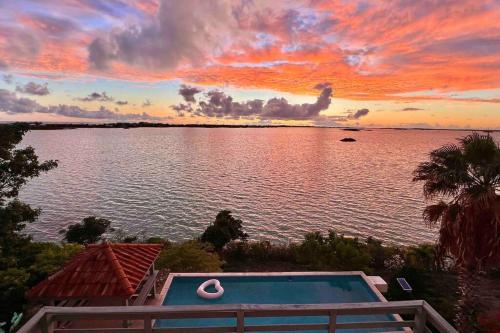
(372, 50)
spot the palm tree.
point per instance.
(464, 181)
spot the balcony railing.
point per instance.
(422, 318)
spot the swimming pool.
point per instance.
(265, 288)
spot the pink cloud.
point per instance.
(369, 50)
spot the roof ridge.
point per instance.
(115, 263)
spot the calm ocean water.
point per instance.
(282, 182)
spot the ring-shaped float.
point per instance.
(209, 295)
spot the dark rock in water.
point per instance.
(351, 129)
(348, 140)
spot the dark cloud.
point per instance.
(102, 113)
(53, 26)
(121, 102)
(11, 104)
(411, 109)
(33, 88)
(472, 46)
(165, 41)
(279, 108)
(8, 78)
(100, 53)
(339, 120)
(181, 108)
(218, 104)
(358, 114)
(188, 93)
(96, 97)
(21, 44)
(146, 103)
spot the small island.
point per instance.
(348, 140)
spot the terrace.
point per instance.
(253, 302)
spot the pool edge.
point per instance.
(362, 274)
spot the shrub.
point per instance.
(89, 231)
(158, 240)
(377, 252)
(422, 257)
(236, 252)
(12, 289)
(190, 256)
(265, 251)
(262, 251)
(332, 252)
(225, 229)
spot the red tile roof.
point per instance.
(102, 270)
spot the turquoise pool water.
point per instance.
(273, 290)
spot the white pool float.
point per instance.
(204, 294)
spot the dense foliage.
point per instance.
(17, 166)
(38, 261)
(464, 181)
(224, 229)
(89, 231)
(191, 256)
(332, 253)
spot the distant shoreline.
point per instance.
(124, 125)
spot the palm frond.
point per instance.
(479, 149)
(466, 177)
(434, 213)
(444, 173)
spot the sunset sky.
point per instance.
(327, 63)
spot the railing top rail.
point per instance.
(32, 324)
(228, 310)
(146, 309)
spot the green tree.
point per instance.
(89, 231)
(17, 166)
(191, 256)
(50, 257)
(225, 229)
(464, 181)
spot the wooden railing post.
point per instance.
(332, 322)
(240, 322)
(46, 324)
(420, 320)
(148, 324)
(436, 320)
